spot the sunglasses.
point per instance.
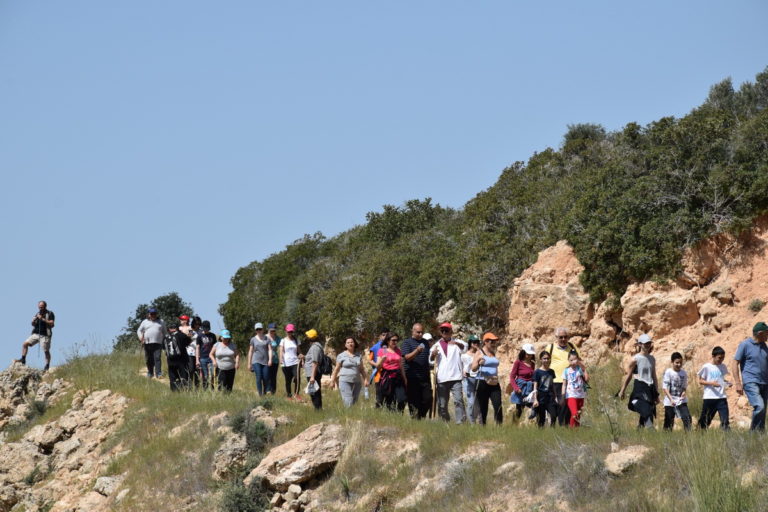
(562, 337)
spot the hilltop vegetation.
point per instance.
(628, 201)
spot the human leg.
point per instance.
(482, 396)
(149, 360)
(669, 417)
(470, 391)
(272, 378)
(458, 401)
(259, 376)
(443, 395)
(563, 413)
(574, 407)
(756, 394)
(400, 397)
(707, 413)
(288, 376)
(158, 356)
(317, 397)
(685, 415)
(495, 396)
(722, 411)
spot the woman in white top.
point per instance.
(290, 357)
(470, 381)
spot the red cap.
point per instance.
(446, 325)
(183, 317)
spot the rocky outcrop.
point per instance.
(51, 466)
(308, 455)
(21, 389)
(616, 463)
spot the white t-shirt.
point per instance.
(290, 352)
(675, 383)
(575, 386)
(716, 373)
(466, 361)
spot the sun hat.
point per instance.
(528, 349)
(311, 334)
(225, 334)
(644, 338)
(258, 325)
(490, 336)
(759, 326)
(290, 328)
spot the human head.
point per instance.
(446, 330)
(272, 328)
(184, 319)
(677, 360)
(545, 358)
(573, 358)
(351, 344)
(206, 325)
(526, 352)
(718, 354)
(645, 342)
(258, 327)
(290, 330)
(383, 333)
(152, 313)
(473, 342)
(391, 340)
(42, 305)
(225, 336)
(561, 335)
(196, 322)
(760, 332)
(173, 326)
(417, 331)
(312, 335)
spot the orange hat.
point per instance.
(490, 336)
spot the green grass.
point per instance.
(698, 471)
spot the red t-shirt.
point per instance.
(391, 358)
(520, 370)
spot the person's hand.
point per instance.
(237, 366)
(622, 395)
(250, 369)
(420, 349)
(269, 363)
(739, 389)
(311, 380)
(535, 403)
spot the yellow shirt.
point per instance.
(559, 358)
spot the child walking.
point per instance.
(712, 377)
(675, 385)
(545, 400)
(575, 380)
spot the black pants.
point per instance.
(546, 405)
(419, 395)
(272, 384)
(291, 374)
(492, 393)
(710, 406)
(178, 375)
(395, 398)
(152, 353)
(563, 413)
(317, 396)
(194, 376)
(226, 379)
(669, 416)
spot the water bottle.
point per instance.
(365, 393)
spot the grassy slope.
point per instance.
(697, 471)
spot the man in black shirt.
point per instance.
(42, 330)
(419, 391)
(176, 343)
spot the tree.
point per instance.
(169, 308)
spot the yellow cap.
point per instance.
(311, 334)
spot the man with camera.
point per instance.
(42, 329)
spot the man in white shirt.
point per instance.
(152, 332)
(446, 354)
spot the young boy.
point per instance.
(712, 377)
(545, 400)
(675, 384)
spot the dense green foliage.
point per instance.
(169, 308)
(629, 202)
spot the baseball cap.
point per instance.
(258, 325)
(152, 310)
(446, 325)
(272, 326)
(528, 349)
(644, 338)
(183, 317)
(225, 334)
(290, 328)
(174, 325)
(206, 325)
(311, 334)
(473, 337)
(490, 336)
(759, 326)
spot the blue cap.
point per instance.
(153, 310)
(272, 326)
(225, 334)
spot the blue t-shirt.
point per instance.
(753, 361)
(375, 350)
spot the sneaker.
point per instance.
(532, 414)
(149, 375)
(46, 368)
(20, 361)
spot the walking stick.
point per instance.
(433, 378)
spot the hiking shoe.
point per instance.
(46, 368)
(532, 414)
(20, 361)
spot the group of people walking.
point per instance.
(425, 373)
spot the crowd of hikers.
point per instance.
(425, 373)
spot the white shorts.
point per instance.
(45, 341)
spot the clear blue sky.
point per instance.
(147, 147)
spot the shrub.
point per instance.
(235, 497)
(756, 305)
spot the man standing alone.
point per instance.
(750, 373)
(42, 330)
(151, 333)
(419, 391)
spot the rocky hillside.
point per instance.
(715, 300)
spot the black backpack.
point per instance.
(326, 365)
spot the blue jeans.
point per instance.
(262, 377)
(206, 365)
(757, 394)
(470, 391)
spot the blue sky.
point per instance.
(148, 147)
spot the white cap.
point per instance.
(644, 338)
(528, 349)
(427, 336)
(259, 325)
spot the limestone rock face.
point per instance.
(311, 453)
(618, 462)
(661, 309)
(19, 386)
(230, 457)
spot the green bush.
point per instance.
(235, 497)
(756, 305)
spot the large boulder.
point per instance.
(618, 462)
(658, 308)
(306, 456)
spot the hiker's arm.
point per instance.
(250, 358)
(361, 366)
(269, 354)
(402, 371)
(335, 374)
(476, 361)
(380, 361)
(237, 359)
(586, 375)
(630, 371)
(213, 357)
(736, 371)
(315, 366)
(280, 353)
(409, 356)
(535, 393)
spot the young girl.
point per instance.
(545, 400)
(575, 380)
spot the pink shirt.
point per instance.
(520, 370)
(392, 359)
